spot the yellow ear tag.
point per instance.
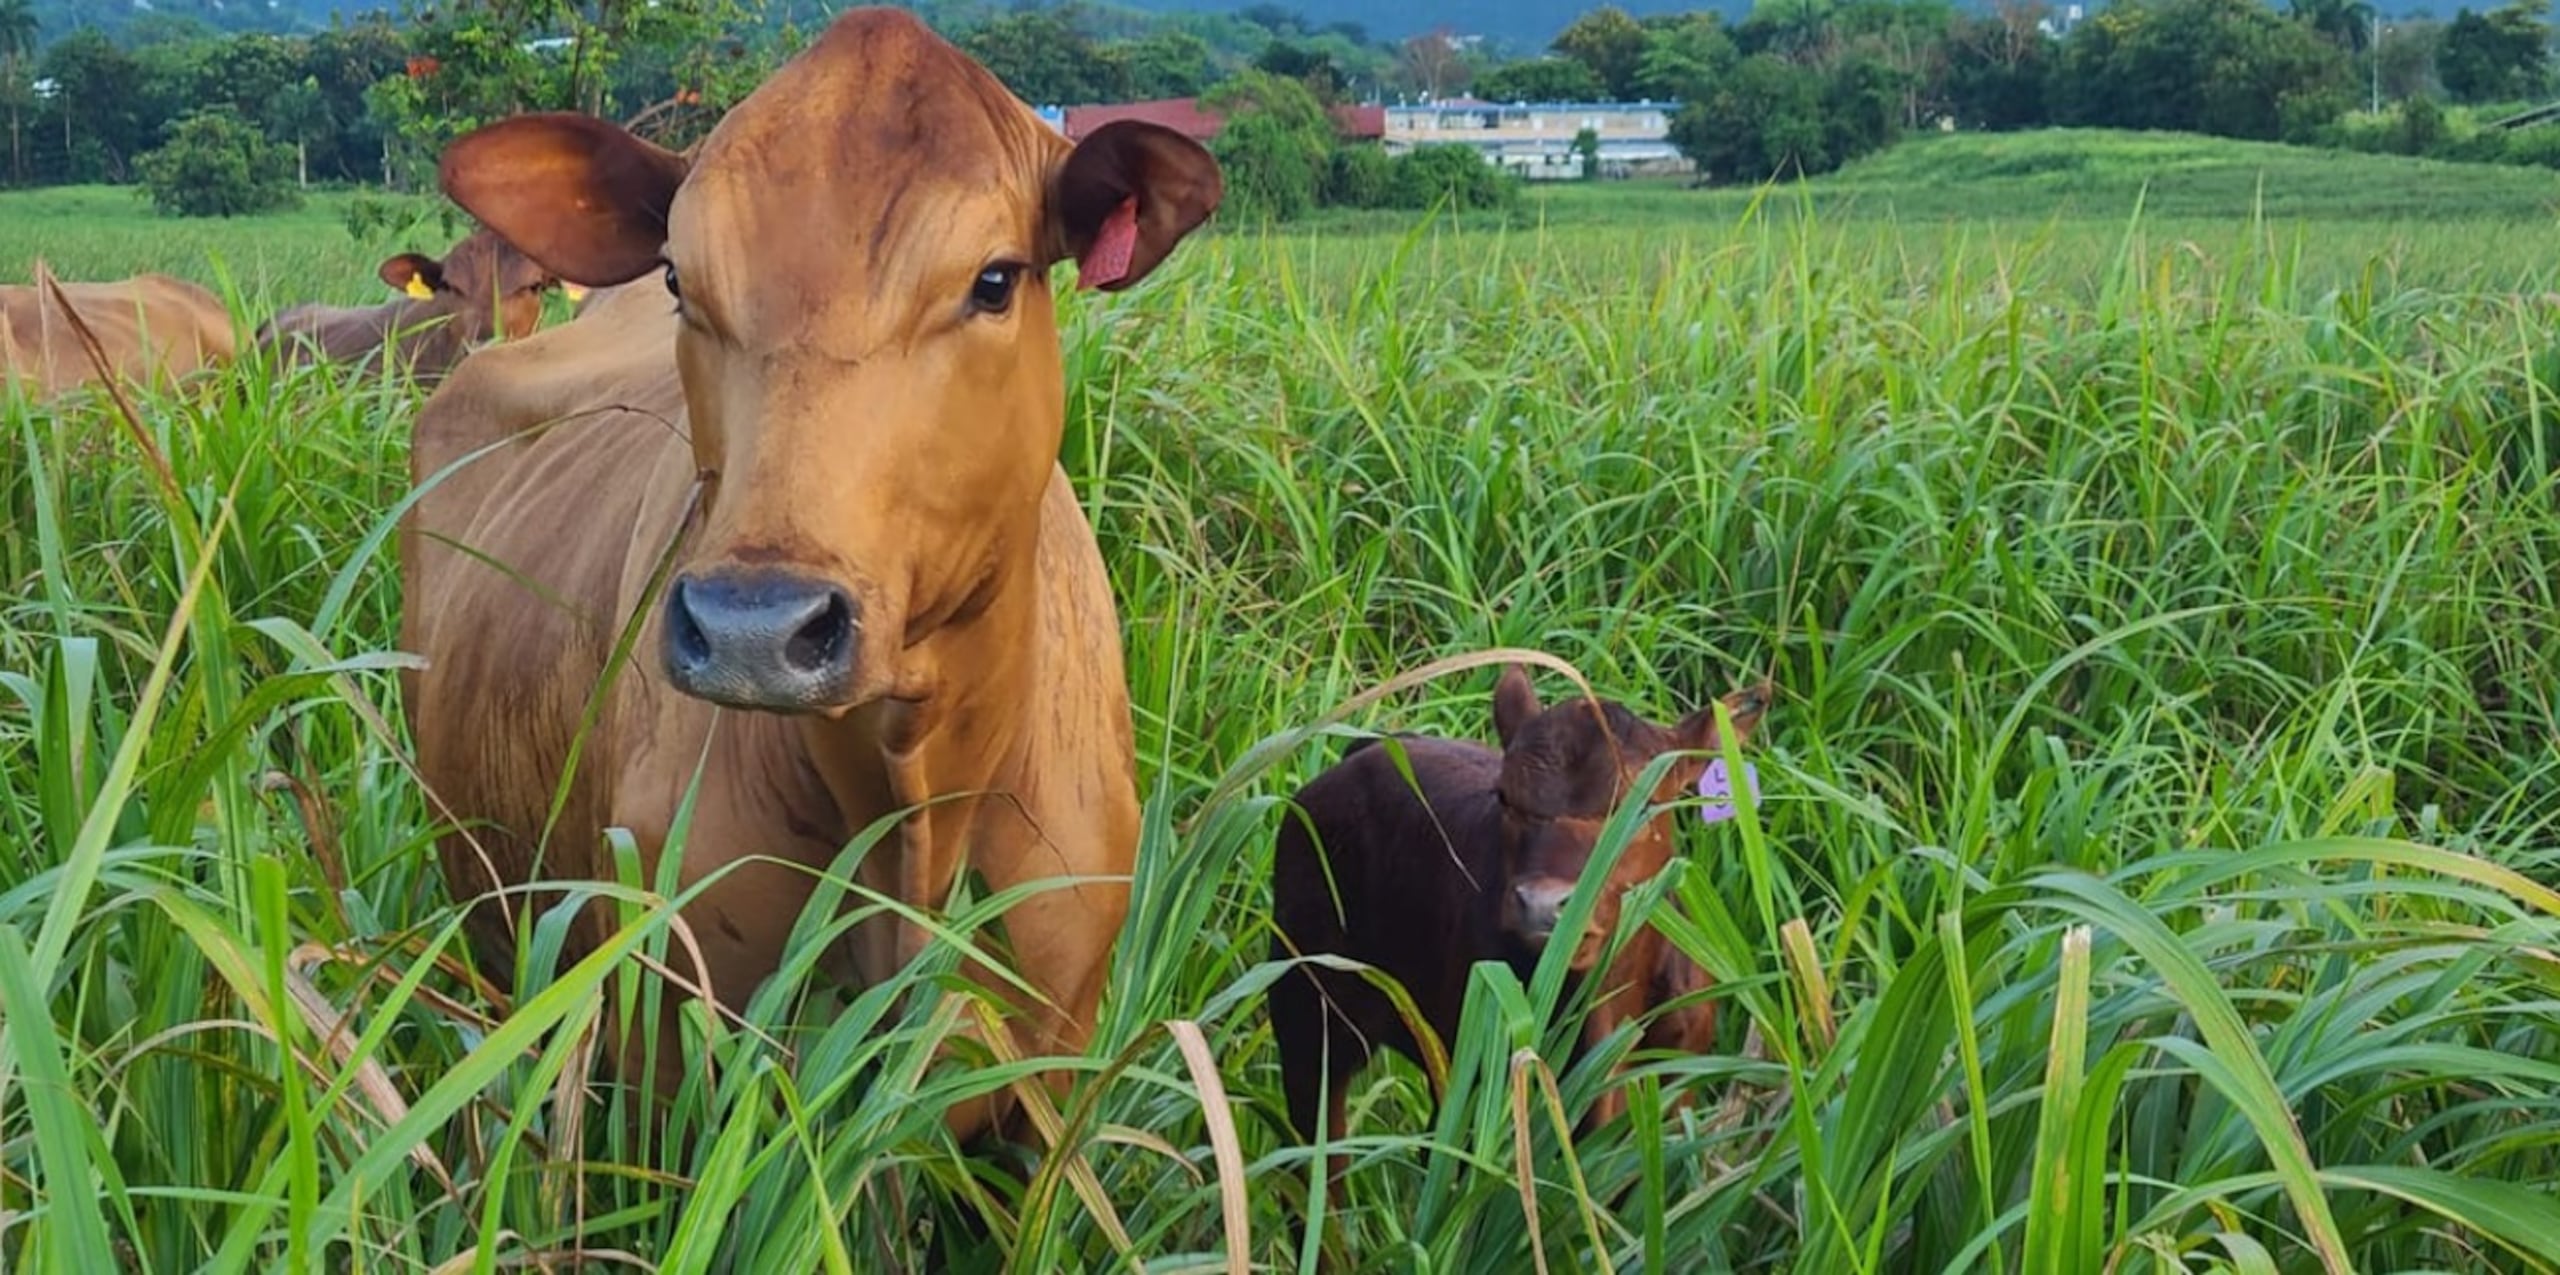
(418, 288)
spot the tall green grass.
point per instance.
(2152, 873)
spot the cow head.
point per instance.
(857, 260)
(1565, 770)
(482, 286)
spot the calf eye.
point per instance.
(993, 292)
(672, 289)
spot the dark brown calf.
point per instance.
(1477, 867)
(483, 288)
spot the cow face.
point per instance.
(1565, 769)
(857, 261)
(482, 286)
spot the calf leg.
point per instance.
(1650, 972)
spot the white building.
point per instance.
(1535, 139)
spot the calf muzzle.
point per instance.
(1536, 904)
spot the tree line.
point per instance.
(234, 122)
(1802, 86)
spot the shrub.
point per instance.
(1276, 147)
(1362, 177)
(2538, 146)
(2421, 128)
(216, 164)
(378, 219)
(1425, 175)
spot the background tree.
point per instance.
(299, 113)
(1432, 63)
(1997, 66)
(245, 73)
(1794, 29)
(17, 47)
(2234, 68)
(2406, 58)
(346, 60)
(1907, 39)
(2345, 23)
(1309, 65)
(1046, 58)
(1540, 80)
(1684, 56)
(2499, 56)
(1763, 121)
(1609, 42)
(95, 103)
(1167, 64)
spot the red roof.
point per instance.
(1183, 115)
(1366, 123)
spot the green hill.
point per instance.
(2100, 174)
(2097, 172)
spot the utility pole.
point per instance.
(2373, 56)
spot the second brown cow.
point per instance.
(1476, 865)
(483, 288)
(154, 329)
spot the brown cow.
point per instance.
(839, 417)
(154, 329)
(1472, 859)
(483, 288)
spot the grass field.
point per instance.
(2153, 873)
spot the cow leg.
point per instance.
(1059, 939)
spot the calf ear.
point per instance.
(414, 274)
(1746, 707)
(580, 196)
(1514, 703)
(1125, 196)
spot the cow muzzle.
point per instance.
(761, 640)
(1536, 904)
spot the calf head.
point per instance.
(1565, 770)
(857, 259)
(483, 285)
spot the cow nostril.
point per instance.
(819, 645)
(1538, 905)
(685, 638)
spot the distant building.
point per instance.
(1185, 116)
(1535, 139)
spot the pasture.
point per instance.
(2153, 869)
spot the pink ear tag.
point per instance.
(1107, 261)
(1715, 783)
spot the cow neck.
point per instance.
(962, 733)
(403, 328)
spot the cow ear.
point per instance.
(1514, 703)
(1125, 196)
(582, 197)
(1698, 730)
(414, 274)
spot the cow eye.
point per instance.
(672, 289)
(993, 291)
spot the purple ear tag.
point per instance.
(1714, 783)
